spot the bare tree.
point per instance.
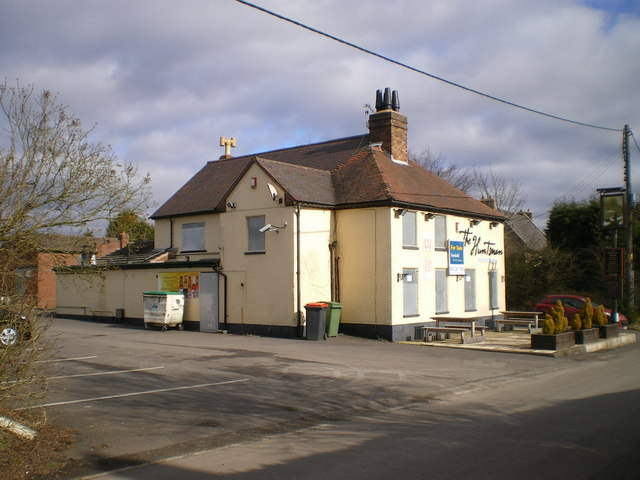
(53, 179)
(458, 177)
(507, 195)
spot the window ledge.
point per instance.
(261, 252)
(410, 247)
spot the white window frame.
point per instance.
(256, 242)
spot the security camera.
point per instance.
(265, 228)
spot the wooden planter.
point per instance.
(608, 331)
(559, 341)
(587, 335)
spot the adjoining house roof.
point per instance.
(137, 252)
(520, 225)
(72, 244)
(343, 173)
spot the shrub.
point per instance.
(576, 323)
(560, 320)
(586, 314)
(548, 327)
(600, 318)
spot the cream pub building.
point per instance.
(350, 220)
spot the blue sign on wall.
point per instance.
(456, 257)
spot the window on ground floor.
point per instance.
(469, 290)
(410, 292)
(441, 291)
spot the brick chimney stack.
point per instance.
(389, 126)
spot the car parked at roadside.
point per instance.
(13, 328)
(573, 304)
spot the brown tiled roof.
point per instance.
(206, 190)
(344, 173)
(303, 184)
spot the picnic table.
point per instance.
(518, 318)
(459, 322)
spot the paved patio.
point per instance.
(519, 341)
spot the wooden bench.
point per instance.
(516, 322)
(477, 328)
(429, 331)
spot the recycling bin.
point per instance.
(333, 318)
(163, 309)
(316, 320)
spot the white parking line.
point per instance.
(112, 372)
(147, 392)
(65, 359)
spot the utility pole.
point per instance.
(629, 274)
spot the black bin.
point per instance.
(316, 320)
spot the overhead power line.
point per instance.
(422, 72)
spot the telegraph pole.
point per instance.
(629, 274)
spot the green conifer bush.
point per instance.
(586, 315)
(576, 323)
(600, 318)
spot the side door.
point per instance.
(209, 302)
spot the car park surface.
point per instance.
(137, 397)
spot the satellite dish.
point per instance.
(272, 190)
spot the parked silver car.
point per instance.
(13, 328)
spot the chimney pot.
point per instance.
(395, 101)
(388, 126)
(387, 99)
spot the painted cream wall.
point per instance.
(102, 293)
(213, 236)
(365, 265)
(426, 259)
(315, 256)
(260, 287)
(162, 233)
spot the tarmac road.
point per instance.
(148, 404)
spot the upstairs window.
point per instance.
(255, 236)
(409, 237)
(440, 240)
(193, 237)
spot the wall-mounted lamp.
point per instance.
(401, 276)
(231, 204)
(400, 212)
(474, 222)
(428, 216)
(494, 224)
(272, 228)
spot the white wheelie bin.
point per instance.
(163, 309)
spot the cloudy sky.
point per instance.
(163, 80)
